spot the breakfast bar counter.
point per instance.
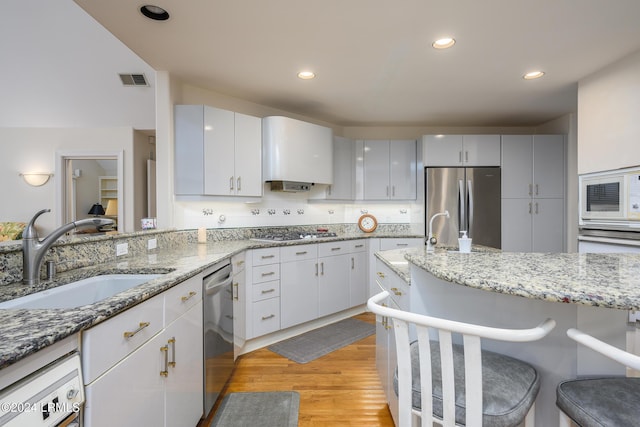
(591, 292)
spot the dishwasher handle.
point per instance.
(220, 277)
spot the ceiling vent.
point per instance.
(133, 80)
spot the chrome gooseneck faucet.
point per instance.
(33, 249)
(431, 239)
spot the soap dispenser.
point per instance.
(464, 243)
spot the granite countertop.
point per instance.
(24, 332)
(601, 280)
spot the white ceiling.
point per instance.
(373, 59)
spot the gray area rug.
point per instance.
(313, 344)
(264, 409)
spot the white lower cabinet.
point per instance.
(147, 370)
(358, 289)
(386, 359)
(333, 282)
(263, 299)
(299, 284)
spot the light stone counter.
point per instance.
(24, 332)
(592, 292)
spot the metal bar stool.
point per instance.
(600, 401)
(460, 384)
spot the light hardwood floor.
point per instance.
(339, 389)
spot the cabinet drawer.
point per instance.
(389, 281)
(264, 273)
(181, 298)
(357, 245)
(396, 243)
(266, 290)
(265, 256)
(105, 344)
(298, 252)
(266, 316)
(333, 248)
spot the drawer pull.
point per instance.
(268, 291)
(336, 249)
(380, 274)
(235, 291)
(188, 297)
(172, 341)
(402, 244)
(141, 327)
(270, 273)
(267, 256)
(240, 262)
(396, 291)
(271, 316)
(359, 246)
(228, 317)
(165, 350)
(301, 253)
(353, 263)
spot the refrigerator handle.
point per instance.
(462, 220)
(470, 207)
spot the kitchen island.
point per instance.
(593, 292)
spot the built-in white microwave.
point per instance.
(611, 197)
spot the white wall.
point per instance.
(60, 69)
(34, 150)
(609, 117)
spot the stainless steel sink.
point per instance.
(82, 292)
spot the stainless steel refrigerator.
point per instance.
(472, 197)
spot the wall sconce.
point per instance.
(36, 179)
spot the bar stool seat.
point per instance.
(451, 381)
(509, 386)
(600, 401)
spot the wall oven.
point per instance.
(610, 200)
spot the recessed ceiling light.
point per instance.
(443, 43)
(154, 12)
(533, 75)
(306, 75)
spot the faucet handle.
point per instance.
(30, 231)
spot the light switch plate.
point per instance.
(152, 244)
(122, 249)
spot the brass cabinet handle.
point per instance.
(380, 274)
(165, 350)
(240, 262)
(267, 291)
(353, 263)
(322, 268)
(239, 184)
(301, 253)
(269, 273)
(359, 246)
(396, 291)
(267, 256)
(316, 268)
(132, 333)
(189, 296)
(336, 248)
(271, 316)
(230, 183)
(172, 341)
(236, 291)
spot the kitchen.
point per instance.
(188, 213)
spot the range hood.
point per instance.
(296, 154)
(290, 186)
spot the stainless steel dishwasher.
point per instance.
(217, 332)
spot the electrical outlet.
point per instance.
(152, 244)
(122, 249)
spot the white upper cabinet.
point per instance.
(217, 152)
(461, 150)
(343, 170)
(533, 166)
(389, 169)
